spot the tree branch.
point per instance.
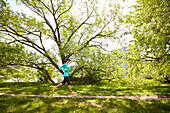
(52, 5)
(33, 46)
(65, 10)
(42, 42)
(53, 31)
(26, 39)
(32, 7)
(58, 4)
(35, 67)
(46, 7)
(78, 27)
(86, 43)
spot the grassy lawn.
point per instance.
(83, 105)
(78, 105)
(108, 89)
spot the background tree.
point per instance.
(16, 59)
(11, 61)
(150, 22)
(73, 27)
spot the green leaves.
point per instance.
(150, 31)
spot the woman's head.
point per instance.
(68, 60)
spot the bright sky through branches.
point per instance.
(102, 4)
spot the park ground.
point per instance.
(58, 104)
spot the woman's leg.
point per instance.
(69, 87)
(59, 85)
(54, 88)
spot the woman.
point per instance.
(66, 70)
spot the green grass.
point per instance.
(78, 105)
(16, 104)
(108, 89)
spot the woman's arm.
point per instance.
(61, 68)
(70, 68)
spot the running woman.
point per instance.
(66, 70)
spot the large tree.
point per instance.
(72, 27)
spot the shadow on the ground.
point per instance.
(65, 105)
(84, 89)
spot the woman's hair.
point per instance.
(68, 59)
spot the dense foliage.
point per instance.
(149, 25)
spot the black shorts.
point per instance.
(66, 79)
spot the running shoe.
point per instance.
(73, 93)
(54, 88)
